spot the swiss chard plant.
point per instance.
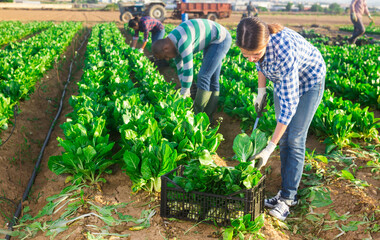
(246, 146)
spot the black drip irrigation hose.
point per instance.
(15, 113)
(38, 163)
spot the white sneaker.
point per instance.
(272, 202)
(281, 211)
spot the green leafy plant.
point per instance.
(243, 228)
(218, 180)
(245, 146)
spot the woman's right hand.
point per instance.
(261, 95)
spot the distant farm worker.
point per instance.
(298, 72)
(251, 8)
(146, 24)
(188, 38)
(358, 8)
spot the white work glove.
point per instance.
(263, 156)
(185, 92)
(353, 15)
(141, 50)
(260, 97)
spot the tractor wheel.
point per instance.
(158, 12)
(212, 17)
(125, 17)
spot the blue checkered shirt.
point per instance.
(294, 66)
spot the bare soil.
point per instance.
(111, 16)
(325, 24)
(18, 156)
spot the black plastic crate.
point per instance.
(198, 206)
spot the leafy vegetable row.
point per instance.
(157, 127)
(339, 121)
(22, 64)
(86, 144)
(352, 77)
(15, 30)
(369, 29)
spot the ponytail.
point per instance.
(275, 28)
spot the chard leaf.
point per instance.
(89, 153)
(132, 162)
(145, 169)
(168, 161)
(347, 175)
(243, 147)
(259, 140)
(205, 158)
(129, 134)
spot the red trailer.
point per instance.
(211, 11)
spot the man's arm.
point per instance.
(366, 11)
(135, 38)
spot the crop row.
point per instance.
(22, 64)
(121, 92)
(12, 31)
(353, 72)
(369, 29)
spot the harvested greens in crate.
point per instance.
(212, 193)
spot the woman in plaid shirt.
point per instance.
(298, 72)
(146, 24)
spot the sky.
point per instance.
(369, 2)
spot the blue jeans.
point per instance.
(158, 35)
(359, 29)
(208, 76)
(293, 142)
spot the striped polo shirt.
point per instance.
(190, 37)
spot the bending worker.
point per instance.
(146, 24)
(188, 38)
(358, 8)
(298, 72)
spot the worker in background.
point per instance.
(358, 8)
(146, 24)
(298, 72)
(182, 43)
(250, 9)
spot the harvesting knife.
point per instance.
(261, 110)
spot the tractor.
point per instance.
(154, 9)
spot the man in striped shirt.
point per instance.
(191, 37)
